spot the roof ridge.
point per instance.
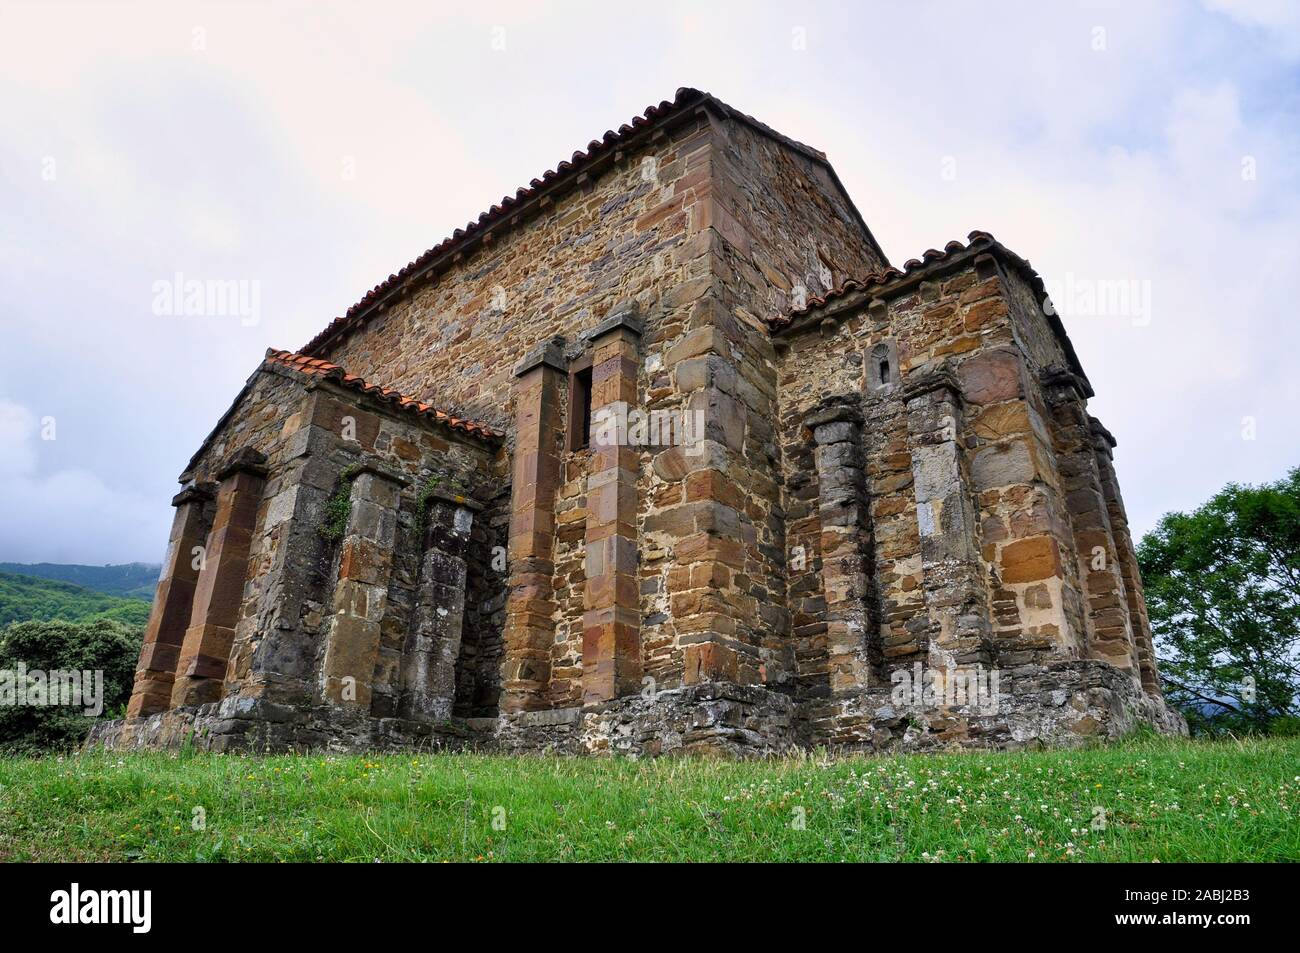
(652, 114)
(685, 96)
(932, 257)
(883, 276)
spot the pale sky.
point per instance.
(315, 149)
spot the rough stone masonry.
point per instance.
(660, 455)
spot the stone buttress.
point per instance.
(710, 475)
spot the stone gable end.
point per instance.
(661, 454)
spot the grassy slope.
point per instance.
(1168, 801)
(29, 597)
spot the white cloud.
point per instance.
(69, 515)
(1278, 20)
(228, 162)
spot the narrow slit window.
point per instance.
(884, 371)
(580, 409)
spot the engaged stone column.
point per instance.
(956, 596)
(1104, 444)
(845, 539)
(219, 591)
(429, 658)
(361, 593)
(611, 624)
(1110, 635)
(530, 607)
(172, 604)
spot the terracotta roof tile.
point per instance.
(315, 367)
(978, 240)
(882, 277)
(685, 98)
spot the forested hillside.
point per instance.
(28, 597)
(136, 580)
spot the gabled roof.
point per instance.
(857, 292)
(511, 209)
(314, 368)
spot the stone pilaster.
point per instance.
(276, 654)
(710, 535)
(1109, 634)
(219, 590)
(1126, 554)
(956, 595)
(361, 593)
(845, 541)
(530, 605)
(1037, 609)
(429, 657)
(611, 623)
(173, 603)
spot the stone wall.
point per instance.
(345, 598)
(972, 522)
(705, 229)
(807, 480)
(633, 232)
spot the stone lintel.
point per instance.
(929, 381)
(548, 354)
(446, 496)
(195, 493)
(1101, 432)
(626, 316)
(835, 413)
(1061, 384)
(378, 469)
(243, 460)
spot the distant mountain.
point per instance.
(133, 580)
(30, 597)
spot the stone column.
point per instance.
(956, 595)
(219, 591)
(611, 623)
(530, 606)
(1126, 555)
(429, 657)
(173, 603)
(845, 539)
(361, 593)
(1110, 637)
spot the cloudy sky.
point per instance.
(314, 149)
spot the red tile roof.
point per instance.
(685, 100)
(315, 367)
(915, 267)
(882, 277)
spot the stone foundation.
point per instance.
(1064, 704)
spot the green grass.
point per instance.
(1163, 800)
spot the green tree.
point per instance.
(1223, 591)
(30, 597)
(101, 645)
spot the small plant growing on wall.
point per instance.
(339, 506)
(422, 500)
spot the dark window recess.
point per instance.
(580, 409)
(884, 371)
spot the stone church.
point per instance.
(660, 454)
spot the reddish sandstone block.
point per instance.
(1028, 560)
(709, 662)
